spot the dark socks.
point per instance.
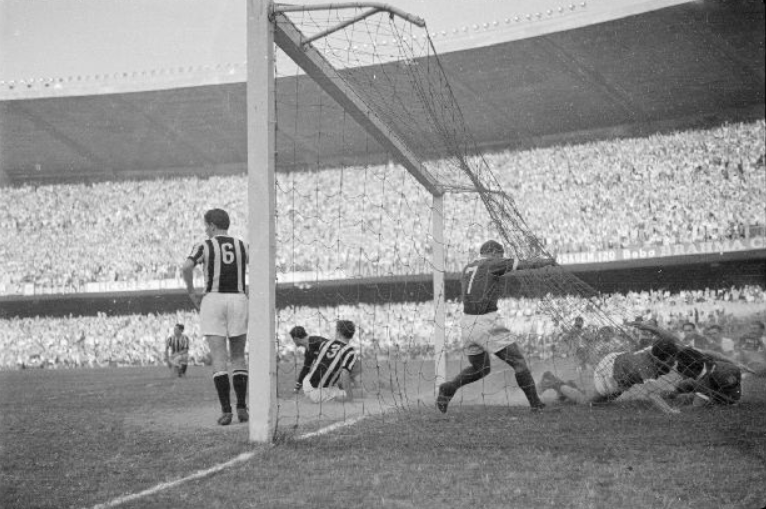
(527, 384)
(239, 380)
(223, 387)
(478, 369)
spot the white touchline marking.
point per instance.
(245, 456)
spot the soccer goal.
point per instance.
(366, 196)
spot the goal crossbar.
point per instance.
(291, 41)
(376, 6)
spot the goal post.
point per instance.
(261, 148)
(439, 269)
(268, 26)
(352, 104)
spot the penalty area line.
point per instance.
(242, 458)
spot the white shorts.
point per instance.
(177, 359)
(223, 314)
(484, 333)
(603, 376)
(322, 394)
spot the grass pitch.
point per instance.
(79, 438)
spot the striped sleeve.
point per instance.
(349, 360)
(197, 252)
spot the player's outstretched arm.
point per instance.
(663, 333)
(535, 263)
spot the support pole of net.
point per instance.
(262, 385)
(437, 253)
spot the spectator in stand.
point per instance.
(626, 192)
(688, 333)
(752, 348)
(723, 344)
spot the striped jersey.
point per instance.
(223, 260)
(325, 359)
(177, 343)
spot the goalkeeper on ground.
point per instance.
(708, 379)
(708, 376)
(617, 372)
(329, 365)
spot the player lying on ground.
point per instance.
(741, 362)
(619, 371)
(708, 379)
(329, 365)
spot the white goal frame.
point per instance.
(262, 33)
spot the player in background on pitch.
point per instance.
(177, 350)
(482, 329)
(329, 365)
(223, 308)
(617, 372)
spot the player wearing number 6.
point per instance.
(223, 307)
(329, 365)
(482, 329)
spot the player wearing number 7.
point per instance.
(223, 308)
(482, 329)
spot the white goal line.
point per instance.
(245, 456)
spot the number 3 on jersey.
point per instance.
(332, 352)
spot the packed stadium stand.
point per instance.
(600, 153)
(666, 189)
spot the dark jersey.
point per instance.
(635, 368)
(223, 260)
(717, 378)
(481, 284)
(324, 360)
(177, 344)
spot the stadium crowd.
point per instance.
(664, 189)
(384, 330)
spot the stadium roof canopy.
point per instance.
(106, 89)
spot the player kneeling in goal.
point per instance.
(619, 371)
(329, 366)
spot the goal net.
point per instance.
(381, 197)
